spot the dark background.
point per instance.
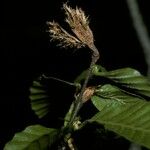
(26, 52)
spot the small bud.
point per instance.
(89, 91)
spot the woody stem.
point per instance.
(78, 102)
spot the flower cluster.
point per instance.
(60, 34)
(79, 25)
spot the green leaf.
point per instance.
(129, 78)
(40, 100)
(107, 95)
(34, 137)
(131, 120)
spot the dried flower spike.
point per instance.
(66, 40)
(79, 25)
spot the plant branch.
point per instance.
(83, 36)
(78, 101)
(77, 85)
